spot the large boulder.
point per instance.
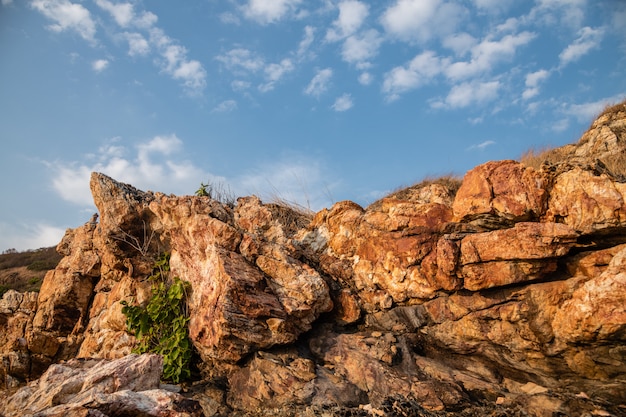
(96, 387)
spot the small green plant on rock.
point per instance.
(161, 326)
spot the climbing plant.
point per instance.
(161, 325)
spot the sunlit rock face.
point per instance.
(505, 293)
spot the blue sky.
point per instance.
(310, 101)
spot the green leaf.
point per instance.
(161, 326)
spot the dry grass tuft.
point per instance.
(615, 162)
(613, 109)
(292, 216)
(451, 181)
(535, 157)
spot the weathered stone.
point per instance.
(523, 242)
(587, 202)
(272, 381)
(129, 386)
(597, 310)
(376, 365)
(502, 188)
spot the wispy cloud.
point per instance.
(291, 177)
(67, 16)
(153, 164)
(585, 112)
(30, 235)
(274, 72)
(225, 106)
(137, 44)
(174, 62)
(359, 49)
(487, 54)
(307, 41)
(481, 146)
(75, 17)
(366, 78)
(319, 83)
(569, 13)
(172, 59)
(469, 93)
(157, 164)
(352, 14)
(269, 11)
(99, 65)
(343, 103)
(533, 80)
(241, 59)
(588, 39)
(123, 13)
(419, 71)
(422, 20)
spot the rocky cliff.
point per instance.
(507, 297)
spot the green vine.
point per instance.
(161, 326)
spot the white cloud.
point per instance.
(6, 2)
(190, 73)
(461, 43)
(307, 40)
(155, 165)
(225, 106)
(145, 20)
(421, 20)
(586, 112)
(487, 54)
(419, 71)
(240, 85)
(268, 11)
(533, 80)
(274, 72)
(174, 62)
(123, 13)
(560, 125)
(366, 78)
(229, 19)
(99, 65)
(319, 83)
(31, 235)
(568, 13)
(241, 59)
(291, 177)
(352, 14)
(137, 44)
(587, 40)
(493, 6)
(343, 103)
(481, 146)
(67, 16)
(359, 49)
(470, 93)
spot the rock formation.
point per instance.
(507, 297)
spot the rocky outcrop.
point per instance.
(94, 387)
(506, 297)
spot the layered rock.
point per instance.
(507, 297)
(95, 387)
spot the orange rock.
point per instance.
(504, 188)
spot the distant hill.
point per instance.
(24, 271)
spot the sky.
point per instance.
(312, 102)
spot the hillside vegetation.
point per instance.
(24, 271)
